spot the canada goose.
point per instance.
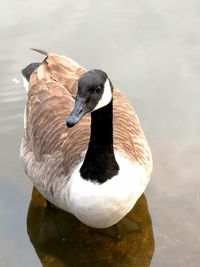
(98, 165)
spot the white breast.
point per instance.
(102, 205)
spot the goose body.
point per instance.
(96, 169)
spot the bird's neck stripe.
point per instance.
(100, 163)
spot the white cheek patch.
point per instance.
(106, 97)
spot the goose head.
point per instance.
(94, 92)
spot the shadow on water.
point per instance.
(48, 229)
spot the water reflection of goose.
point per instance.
(98, 179)
(57, 245)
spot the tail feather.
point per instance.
(28, 70)
(40, 51)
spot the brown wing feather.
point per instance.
(129, 138)
(63, 70)
(49, 147)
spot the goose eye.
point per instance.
(87, 100)
(98, 89)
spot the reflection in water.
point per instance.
(58, 245)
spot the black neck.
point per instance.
(100, 163)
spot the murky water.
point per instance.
(151, 51)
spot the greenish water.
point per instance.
(151, 51)
(61, 240)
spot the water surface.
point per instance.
(151, 51)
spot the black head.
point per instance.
(94, 92)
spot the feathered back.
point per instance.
(52, 88)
